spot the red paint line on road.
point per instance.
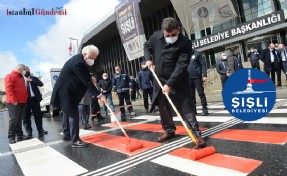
(118, 143)
(270, 137)
(240, 164)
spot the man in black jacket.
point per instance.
(105, 85)
(254, 58)
(233, 60)
(270, 58)
(70, 88)
(222, 68)
(145, 82)
(33, 104)
(95, 106)
(122, 86)
(197, 75)
(171, 52)
(283, 54)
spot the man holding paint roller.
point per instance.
(170, 51)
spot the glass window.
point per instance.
(283, 4)
(255, 8)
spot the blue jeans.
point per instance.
(110, 102)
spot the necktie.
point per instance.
(28, 90)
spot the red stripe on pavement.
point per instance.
(157, 128)
(114, 124)
(239, 164)
(270, 137)
(118, 143)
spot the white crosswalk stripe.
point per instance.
(193, 167)
(44, 161)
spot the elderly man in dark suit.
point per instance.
(73, 82)
(283, 54)
(33, 104)
(270, 58)
(171, 53)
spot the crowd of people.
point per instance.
(180, 70)
(274, 60)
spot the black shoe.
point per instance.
(204, 111)
(166, 136)
(44, 132)
(123, 118)
(41, 135)
(146, 111)
(29, 136)
(66, 138)
(21, 138)
(279, 85)
(12, 141)
(79, 144)
(100, 118)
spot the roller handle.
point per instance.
(174, 108)
(119, 124)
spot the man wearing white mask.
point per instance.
(106, 86)
(222, 68)
(170, 52)
(73, 82)
(16, 98)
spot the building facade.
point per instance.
(260, 12)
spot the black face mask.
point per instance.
(27, 74)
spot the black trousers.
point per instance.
(284, 64)
(273, 70)
(33, 106)
(71, 126)
(278, 72)
(255, 65)
(166, 113)
(96, 109)
(146, 93)
(16, 114)
(197, 84)
(223, 80)
(125, 96)
(133, 94)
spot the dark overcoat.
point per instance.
(266, 59)
(171, 62)
(35, 83)
(71, 85)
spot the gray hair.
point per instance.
(90, 49)
(19, 66)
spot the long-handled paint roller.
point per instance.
(131, 145)
(194, 154)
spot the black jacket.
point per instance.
(266, 59)
(35, 83)
(171, 62)
(234, 62)
(121, 82)
(222, 68)
(145, 79)
(253, 56)
(72, 84)
(197, 66)
(106, 85)
(134, 85)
